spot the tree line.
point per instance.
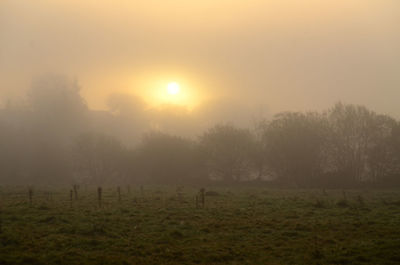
(51, 142)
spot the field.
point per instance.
(160, 225)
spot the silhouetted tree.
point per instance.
(164, 158)
(382, 160)
(99, 159)
(393, 144)
(358, 143)
(58, 110)
(11, 151)
(228, 152)
(294, 143)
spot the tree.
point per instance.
(10, 153)
(58, 110)
(228, 152)
(293, 144)
(164, 158)
(55, 115)
(359, 147)
(99, 158)
(381, 154)
(392, 177)
(55, 95)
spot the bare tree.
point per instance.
(358, 144)
(293, 144)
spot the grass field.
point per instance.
(236, 226)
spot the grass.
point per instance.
(237, 226)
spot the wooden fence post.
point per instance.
(119, 193)
(203, 199)
(76, 187)
(70, 197)
(30, 194)
(99, 191)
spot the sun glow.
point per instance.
(173, 88)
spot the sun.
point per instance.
(161, 90)
(173, 88)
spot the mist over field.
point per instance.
(199, 132)
(55, 138)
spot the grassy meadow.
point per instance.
(165, 225)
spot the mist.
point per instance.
(55, 137)
(100, 72)
(275, 55)
(199, 132)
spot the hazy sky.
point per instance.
(254, 55)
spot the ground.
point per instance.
(160, 225)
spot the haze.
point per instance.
(199, 132)
(261, 57)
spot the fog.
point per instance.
(254, 56)
(54, 137)
(84, 79)
(199, 132)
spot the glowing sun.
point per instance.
(173, 88)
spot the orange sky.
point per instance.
(260, 55)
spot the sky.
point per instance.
(233, 59)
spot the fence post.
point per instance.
(99, 191)
(203, 199)
(76, 191)
(70, 197)
(30, 194)
(119, 193)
